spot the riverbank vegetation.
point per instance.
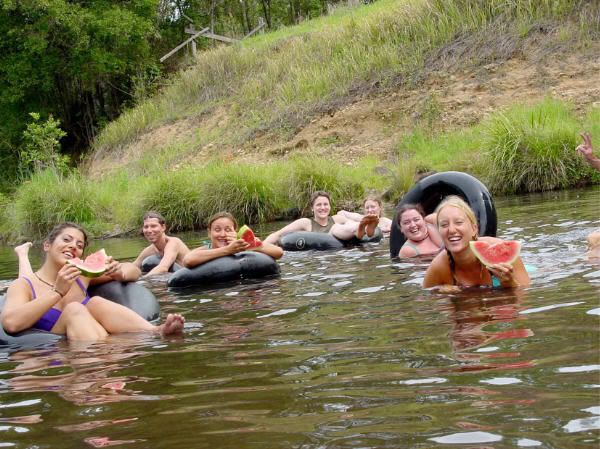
(271, 86)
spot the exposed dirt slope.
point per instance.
(374, 122)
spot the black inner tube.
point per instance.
(430, 191)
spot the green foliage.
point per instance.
(41, 145)
(531, 149)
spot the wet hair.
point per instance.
(218, 215)
(407, 207)
(316, 194)
(59, 228)
(377, 200)
(459, 203)
(153, 214)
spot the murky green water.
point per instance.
(345, 350)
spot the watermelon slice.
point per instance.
(246, 234)
(501, 252)
(93, 266)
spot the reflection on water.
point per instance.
(343, 350)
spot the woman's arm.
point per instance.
(385, 224)
(204, 254)
(434, 235)
(118, 271)
(21, 311)
(276, 252)
(406, 252)
(302, 224)
(438, 273)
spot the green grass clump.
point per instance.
(305, 175)
(176, 195)
(531, 149)
(251, 193)
(48, 199)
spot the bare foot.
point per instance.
(373, 221)
(360, 231)
(23, 249)
(173, 325)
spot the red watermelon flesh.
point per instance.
(93, 266)
(493, 253)
(246, 234)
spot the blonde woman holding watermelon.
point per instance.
(222, 232)
(55, 297)
(458, 266)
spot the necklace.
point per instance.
(45, 282)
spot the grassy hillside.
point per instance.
(224, 133)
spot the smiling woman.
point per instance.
(56, 299)
(422, 238)
(458, 266)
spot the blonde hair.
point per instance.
(459, 203)
(377, 200)
(593, 239)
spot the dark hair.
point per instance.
(407, 207)
(316, 194)
(59, 228)
(218, 215)
(153, 214)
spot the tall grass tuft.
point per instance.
(532, 149)
(305, 175)
(48, 199)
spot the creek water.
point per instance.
(344, 350)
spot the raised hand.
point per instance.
(586, 149)
(65, 278)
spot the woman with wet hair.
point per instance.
(55, 298)
(458, 266)
(422, 237)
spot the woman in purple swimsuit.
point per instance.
(55, 298)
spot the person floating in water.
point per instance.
(373, 207)
(55, 298)
(222, 231)
(422, 237)
(321, 222)
(457, 266)
(169, 249)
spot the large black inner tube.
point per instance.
(151, 262)
(244, 265)
(129, 294)
(430, 191)
(318, 241)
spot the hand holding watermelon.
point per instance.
(93, 266)
(246, 234)
(498, 257)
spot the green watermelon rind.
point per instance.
(87, 271)
(242, 231)
(485, 259)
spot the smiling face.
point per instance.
(321, 208)
(455, 228)
(219, 230)
(68, 244)
(413, 226)
(153, 230)
(372, 208)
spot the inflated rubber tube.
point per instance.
(151, 262)
(430, 191)
(135, 296)
(244, 265)
(131, 295)
(318, 241)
